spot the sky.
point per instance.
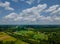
(30, 12)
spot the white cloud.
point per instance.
(30, 14)
(18, 18)
(27, 1)
(48, 18)
(56, 11)
(34, 15)
(30, 1)
(52, 8)
(57, 18)
(6, 5)
(11, 16)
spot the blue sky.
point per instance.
(30, 12)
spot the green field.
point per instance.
(6, 39)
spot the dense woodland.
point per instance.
(30, 34)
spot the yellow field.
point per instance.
(5, 37)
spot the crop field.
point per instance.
(5, 38)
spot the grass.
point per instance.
(5, 37)
(20, 42)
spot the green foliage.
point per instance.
(40, 36)
(31, 36)
(26, 33)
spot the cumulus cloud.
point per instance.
(57, 18)
(6, 5)
(30, 14)
(53, 9)
(33, 15)
(11, 16)
(30, 1)
(56, 11)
